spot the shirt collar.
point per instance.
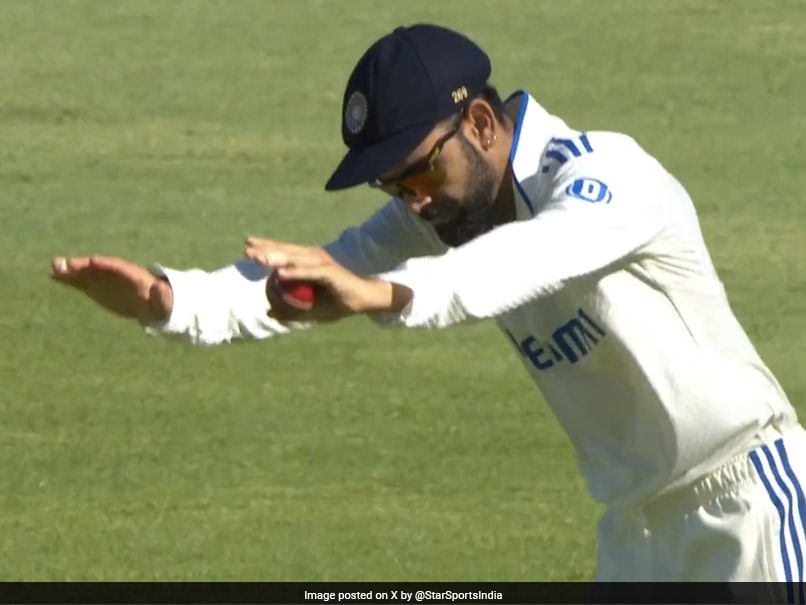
(534, 128)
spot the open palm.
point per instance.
(119, 286)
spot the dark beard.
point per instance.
(474, 219)
(471, 216)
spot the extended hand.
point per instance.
(341, 293)
(117, 285)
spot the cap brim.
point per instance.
(363, 165)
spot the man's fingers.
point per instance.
(257, 241)
(268, 258)
(312, 272)
(71, 271)
(81, 271)
(277, 259)
(105, 263)
(63, 266)
(255, 247)
(268, 244)
(58, 266)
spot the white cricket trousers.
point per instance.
(744, 522)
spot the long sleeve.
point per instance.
(219, 306)
(230, 303)
(595, 216)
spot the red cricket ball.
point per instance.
(299, 294)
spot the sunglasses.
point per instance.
(423, 176)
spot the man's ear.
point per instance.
(482, 117)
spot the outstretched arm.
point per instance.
(230, 303)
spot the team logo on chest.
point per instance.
(355, 112)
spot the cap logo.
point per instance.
(459, 95)
(355, 113)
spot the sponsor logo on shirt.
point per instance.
(570, 342)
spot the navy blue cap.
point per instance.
(402, 86)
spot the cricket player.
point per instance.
(588, 256)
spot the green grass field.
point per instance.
(167, 131)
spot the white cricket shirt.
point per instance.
(603, 286)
